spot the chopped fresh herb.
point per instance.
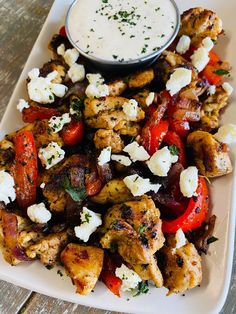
(174, 150)
(104, 1)
(91, 30)
(50, 159)
(59, 272)
(147, 38)
(142, 229)
(221, 72)
(77, 194)
(163, 35)
(87, 217)
(132, 36)
(115, 57)
(50, 97)
(212, 240)
(49, 267)
(142, 288)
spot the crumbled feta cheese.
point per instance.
(57, 123)
(139, 186)
(179, 79)
(122, 160)
(71, 56)
(200, 58)
(61, 50)
(228, 88)
(7, 191)
(93, 91)
(105, 156)
(136, 152)
(89, 223)
(76, 72)
(226, 134)
(95, 79)
(180, 240)
(183, 44)
(208, 44)
(34, 73)
(130, 108)
(160, 162)
(42, 185)
(38, 213)
(130, 279)
(211, 90)
(150, 98)
(189, 181)
(51, 155)
(22, 104)
(42, 90)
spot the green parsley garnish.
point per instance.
(142, 288)
(77, 194)
(104, 1)
(87, 217)
(221, 72)
(212, 240)
(174, 150)
(142, 229)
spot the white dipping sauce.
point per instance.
(121, 30)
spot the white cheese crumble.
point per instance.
(124, 160)
(105, 156)
(161, 161)
(38, 213)
(96, 88)
(211, 90)
(130, 279)
(76, 72)
(208, 44)
(226, 134)
(150, 98)
(7, 191)
(89, 223)
(179, 79)
(139, 186)
(180, 240)
(183, 44)
(22, 104)
(57, 123)
(200, 58)
(130, 108)
(70, 56)
(42, 90)
(228, 88)
(136, 152)
(51, 155)
(61, 50)
(42, 185)
(189, 181)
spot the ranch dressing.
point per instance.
(121, 30)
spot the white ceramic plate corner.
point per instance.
(207, 299)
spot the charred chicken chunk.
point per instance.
(182, 268)
(54, 65)
(104, 138)
(210, 156)
(7, 154)
(211, 107)
(48, 249)
(117, 87)
(84, 265)
(199, 23)
(141, 78)
(135, 227)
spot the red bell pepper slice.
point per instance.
(73, 132)
(195, 213)
(25, 169)
(214, 58)
(62, 31)
(32, 114)
(211, 76)
(172, 138)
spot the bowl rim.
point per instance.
(127, 62)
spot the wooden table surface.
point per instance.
(21, 21)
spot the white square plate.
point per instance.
(210, 297)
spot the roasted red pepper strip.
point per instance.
(73, 132)
(210, 75)
(25, 169)
(195, 213)
(214, 58)
(173, 138)
(32, 114)
(62, 31)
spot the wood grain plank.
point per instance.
(40, 304)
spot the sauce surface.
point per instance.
(118, 30)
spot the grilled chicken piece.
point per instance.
(182, 268)
(7, 154)
(15, 236)
(210, 156)
(117, 87)
(135, 227)
(104, 138)
(84, 265)
(71, 168)
(48, 249)
(141, 98)
(199, 23)
(54, 65)
(141, 78)
(211, 107)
